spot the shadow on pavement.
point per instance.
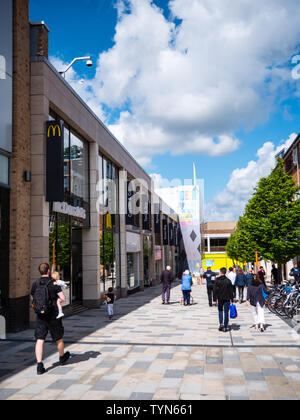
(76, 358)
(14, 358)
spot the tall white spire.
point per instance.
(195, 177)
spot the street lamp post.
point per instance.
(88, 60)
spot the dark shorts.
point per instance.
(44, 326)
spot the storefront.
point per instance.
(109, 223)
(147, 255)
(133, 245)
(69, 218)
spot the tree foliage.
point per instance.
(271, 223)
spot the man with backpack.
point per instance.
(44, 295)
(210, 278)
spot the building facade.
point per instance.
(216, 238)
(96, 218)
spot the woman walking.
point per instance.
(241, 283)
(257, 302)
(186, 288)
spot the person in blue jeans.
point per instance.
(223, 290)
(186, 287)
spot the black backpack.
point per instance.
(42, 301)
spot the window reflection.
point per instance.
(109, 224)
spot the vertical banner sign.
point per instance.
(171, 234)
(157, 218)
(165, 232)
(146, 206)
(176, 236)
(129, 216)
(54, 162)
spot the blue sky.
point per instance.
(237, 93)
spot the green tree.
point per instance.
(271, 223)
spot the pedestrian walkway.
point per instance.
(151, 351)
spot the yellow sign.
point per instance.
(53, 128)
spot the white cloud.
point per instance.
(189, 88)
(230, 203)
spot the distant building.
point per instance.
(216, 237)
(187, 202)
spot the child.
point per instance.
(110, 298)
(55, 276)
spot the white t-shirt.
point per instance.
(231, 276)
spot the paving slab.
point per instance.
(154, 352)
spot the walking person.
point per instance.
(223, 291)
(186, 287)
(232, 276)
(249, 277)
(275, 275)
(295, 272)
(44, 295)
(210, 278)
(110, 298)
(166, 278)
(257, 302)
(241, 283)
(261, 275)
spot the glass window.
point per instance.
(108, 200)
(67, 174)
(60, 249)
(4, 246)
(4, 170)
(79, 167)
(133, 270)
(147, 260)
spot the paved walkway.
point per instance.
(152, 352)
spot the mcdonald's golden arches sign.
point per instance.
(54, 162)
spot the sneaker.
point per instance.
(226, 330)
(60, 315)
(163, 302)
(40, 369)
(63, 359)
(221, 328)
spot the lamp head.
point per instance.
(89, 63)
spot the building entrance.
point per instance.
(65, 249)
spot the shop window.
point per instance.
(147, 252)
(133, 270)
(109, 220)
(218, 244)
(4, 170)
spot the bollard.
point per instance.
(2, 328)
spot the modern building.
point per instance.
(70, 193)
(216, 238)
(188, 202)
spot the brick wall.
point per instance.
(20, 190)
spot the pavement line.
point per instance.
(114, 343)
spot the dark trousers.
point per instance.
(241, 292)
(211, 295)
(186, 296)
(224, 308)
(166, 293)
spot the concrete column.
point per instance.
(123, 249)
(39, 217)
(91, 240)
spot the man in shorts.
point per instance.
(48, 323)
